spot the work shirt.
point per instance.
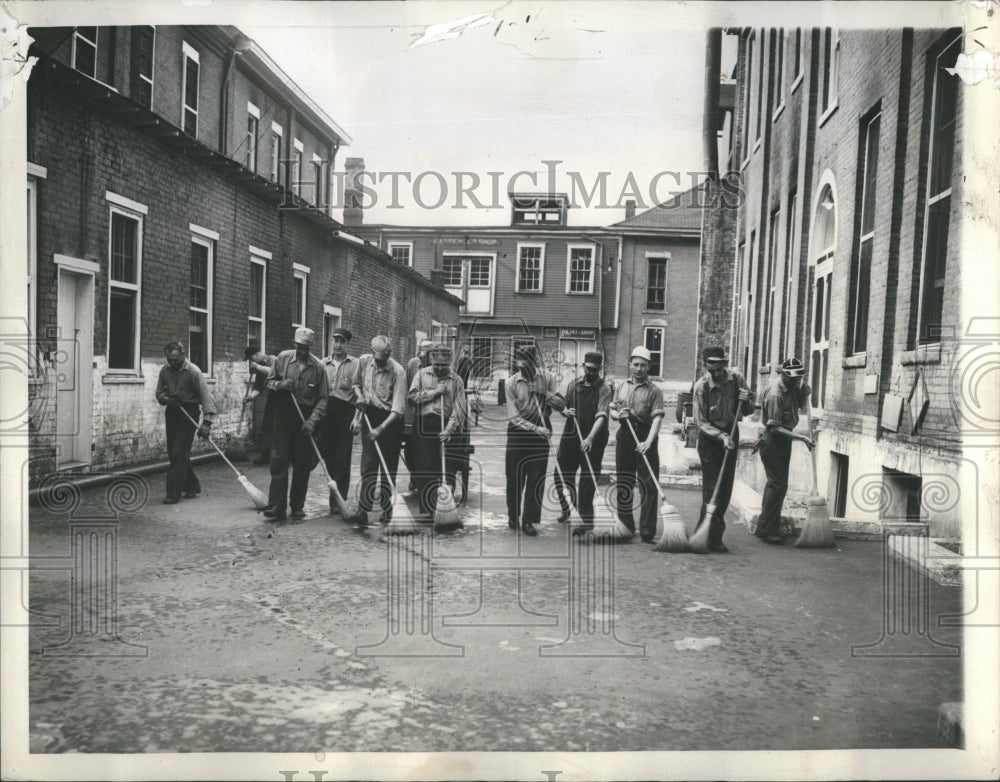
(644, 400)
(715, 404)
(340, 377)
(590, 403)
(384, 388)
(779, 406)
(188, 383)
(425, 386)
(310, 389)
(524, 396)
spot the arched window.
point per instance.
(824, 244)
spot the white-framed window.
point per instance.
(778, 58)
(257, 312)
(32, 229)
(332, 317)
(201, 298)
(748, 92)
(830, 71)
(125, 236)
(653, 338)
(795, 56)
(319, 181)
(770, 289)
(580, 268)
(276, 134)
(759, 103)
(401, 252)
(739, 315)
(789, 301)
(300, 279)
(937, 208)
(297, 152)
(85, 51)
(253, 130)
(439, 332)
(530, 268)
(190, 75)
(824, 248)
(141, 63)
(656, 282)
(469, 276)
(861, 261)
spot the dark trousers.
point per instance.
(570, 458)
(289, 446)
(630, 466)
(775, 454)
(712, 453)
(180, 436)
(337, 441)
(390, 442)
(526, 458)
(426, 464)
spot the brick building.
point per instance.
(178, 186)
(849, 148)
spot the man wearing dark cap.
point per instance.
(779, 405)
(296, 372)
(588, 398)
(436, 394)
(336, 437)
(529, 389)
(414, 365)
(719, 396)
(380, 393)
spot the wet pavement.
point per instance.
(229, 633)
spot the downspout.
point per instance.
(239, 45)
(713, 60)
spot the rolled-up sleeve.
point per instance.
(604, 401)
(518, 391)
(459, 412)
(700, 410)
(399, 390)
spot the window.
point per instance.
(740, 316)
(530, 268)
(789, 301)
(470, 277)
(300, 275)
(580, 269)
(258, 301)
(253, 123)
(482, 357)
(189, 89)
(32, 245)
(653, 340)
(778, 47)
(747, 322)
(142, 65)
(452, 272)
(200, 326)
(296, 167)
(770, 289)
(401, 252)
(862, 260)
(760, 89)
(439, 332)
(937, 212)
(825, 243)
(332, 317)
(275, 152)
(85, 51)
(831, 69)
(124, 286)
(747, 81)
(839, 468)
(796, 42)
(319, 191)
(656, 284)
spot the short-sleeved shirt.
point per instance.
(340, 377)
(644, 400)
(381, 387)
(715, 404)
(425, 385)
(311, 388)
(590, 402)
(779, 406)
(188, 383)
(524, 398)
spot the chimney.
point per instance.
(354, 167)
(629, 209)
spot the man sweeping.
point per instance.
(181, 388)
(380, 393)
(637, 400)
(584, 438)
(719, 396)
(437, 393)
(414, 365)
(780, 404)
(337, 437)
(528, 389)
(296, 377)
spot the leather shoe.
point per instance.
(171, 501)
(361, 518)
(529, 530)
(563, 517)
(648, 539)
(272, 513)
(718, 548)
(298, 513)
(190, 495)
(774, 540)
(512, 523)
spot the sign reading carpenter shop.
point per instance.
(468, 240)
(577, 333)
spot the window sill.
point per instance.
(123, 380)
(529, 293)
(797, 82)
(579, 293)
(648, 311)
(756, 145)
(764, 370)
(925, 354)
(777, 112)
(857, 361)
(827, 114)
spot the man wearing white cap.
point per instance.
(779, 412)
(337, 437)
(295, 372)
(413, 366)
(639, 401)
(380, 390)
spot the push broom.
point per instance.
(674, 537)
(817, 531)
(396, 526)
(256, 495)
(616, 532)
(699, 538)
(345, 512)
(445, 513)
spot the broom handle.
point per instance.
(562, 478)
(656, 479)
(444, 469)
(586, 456)
(381, 459)
(319, 456)
(812, 451)
(189, 418)
(725, 458)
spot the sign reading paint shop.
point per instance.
(577, 333)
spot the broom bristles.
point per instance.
(614, 533)
(446, 517)
(817, 531)
(256, 495)
(698, 543)
(403, 525)
(338, 499)
(674, 536)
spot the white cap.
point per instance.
(641, 352)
